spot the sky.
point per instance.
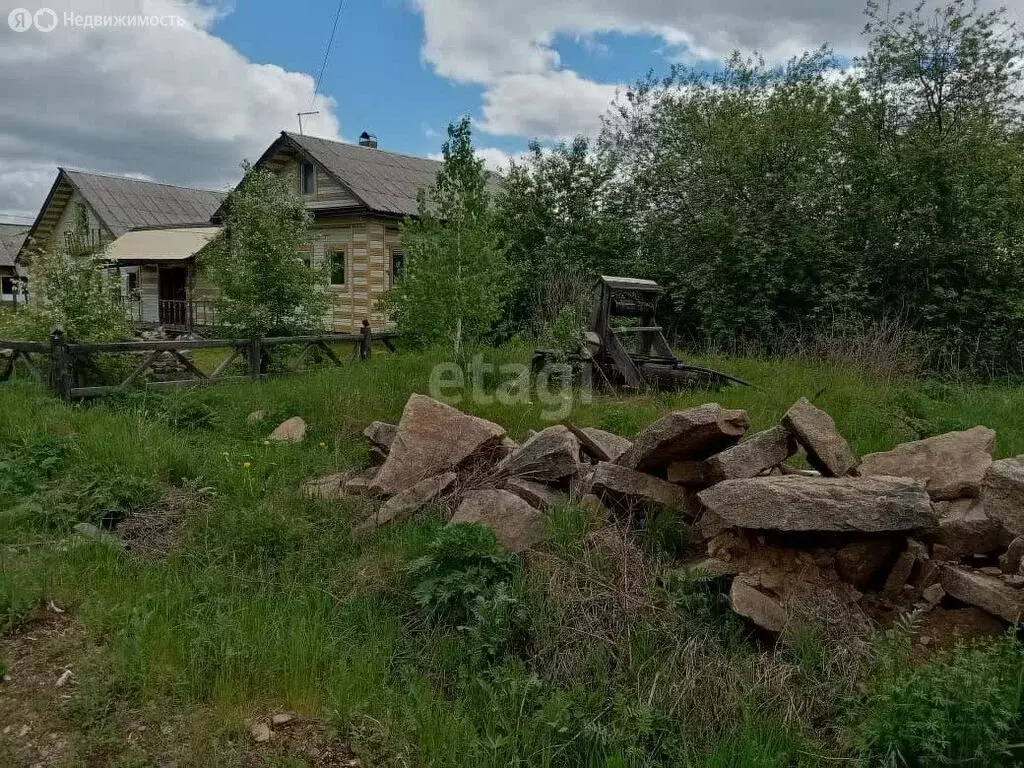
(185, 100)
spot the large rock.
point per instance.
(537, 495)
(793, 503)
(827, 450)
(752, 456)
(433, 438)
(517, 525)
(601, 445)
(986, 592)
(761, 608)
(402, 505)
(381, 435)
(1003, 494)
(951, 466)
(291, 431)
(685, 436)
(628, 490)
(551, 455)
(965, 528)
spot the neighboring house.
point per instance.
(13, 280)
(358, 196)
(152, 233)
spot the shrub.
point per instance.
(462, 564)
(963, 707)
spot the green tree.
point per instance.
(72, 289)
(456, 279)
(264, 287)
(560, 217)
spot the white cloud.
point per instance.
(507, 46)
(552, 105)
(494, 159)
(176, 104)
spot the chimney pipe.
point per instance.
(367, 140)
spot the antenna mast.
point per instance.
(300, 115)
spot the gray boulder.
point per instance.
(600, 445)
(965, 528)
(291, 431)
(537, 495)
(827, 449)
(433, 438)
(400, 506)
(762, 609)
(986, 592)
(1002, 494)
(752, 456)
(951, 466)
(628, 490)
(550, 456)
(689, 435)
(517, 525)
(794, 503)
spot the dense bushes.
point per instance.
(804, 201)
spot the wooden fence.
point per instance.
(62, 365)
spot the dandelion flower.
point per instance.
(246, 465)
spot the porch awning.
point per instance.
(146, 246)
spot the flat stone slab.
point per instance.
(537, 495)
(400, 506)
(432, 438)
(690, 435)
(794, 503)
(989, 593)
(762, 609)
(827, 449)
(1002, 494)
(601, 445)
(551, 455)
(951, 466)
(752, 456)
(328, 488)
(627, 489)
(517, 525)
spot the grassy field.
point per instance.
(593, 652)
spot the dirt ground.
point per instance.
(40, 691)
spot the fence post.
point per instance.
(255, 356)
(365, 341)
(61, 375)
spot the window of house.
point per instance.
(337, 257)
(397, 266)
(306, 257)
(7, 285)
(307, 178)
(132, 284)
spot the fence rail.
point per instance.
(69, 363)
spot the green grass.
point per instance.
(269, 604)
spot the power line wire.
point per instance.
(327, 53)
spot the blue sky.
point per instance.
(185, 104)
(379, 78)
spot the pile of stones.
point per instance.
(934, 526)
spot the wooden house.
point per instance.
(13, 278)
(358, 195)
(152, 233)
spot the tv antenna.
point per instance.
(300, 115)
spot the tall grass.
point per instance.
(268, 602)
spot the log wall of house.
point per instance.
(366, 242)
(326, 188)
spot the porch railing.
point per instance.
(182, 315)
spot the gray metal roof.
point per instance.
(386, 182)
(11, 238)
(124, 203)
